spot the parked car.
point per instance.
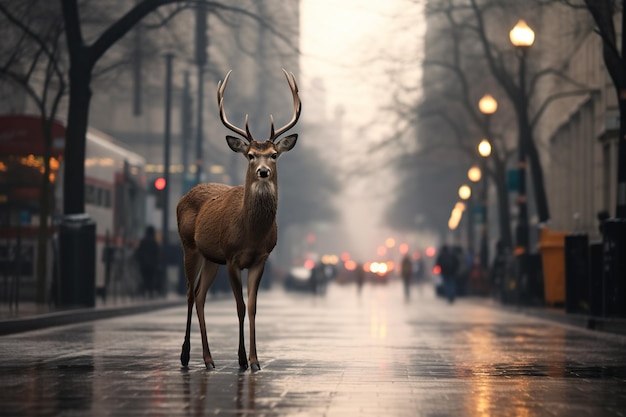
(304, 279)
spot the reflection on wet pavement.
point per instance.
(337, 355)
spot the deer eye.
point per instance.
(274, 155)
(251, 157)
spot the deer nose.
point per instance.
(263, 172)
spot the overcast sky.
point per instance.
(353, 45)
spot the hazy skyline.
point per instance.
(353, 47)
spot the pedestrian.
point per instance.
(147, 256)
(448, 263)
(498, 268)
(360, 277)
(407, 271)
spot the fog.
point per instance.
(361, 51)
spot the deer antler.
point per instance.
(297, 108)
(221, 86)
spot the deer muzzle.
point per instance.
(263, 172)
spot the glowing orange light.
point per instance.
(417, 255)
(309, 264)
(436, 270)
(390, 242)
(345, 256)
(350, 265)
(430, 251)
(403, 248)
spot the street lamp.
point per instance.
(488, 105)
(522, 37)
(484, 149)
(474, 174)
(465, 193)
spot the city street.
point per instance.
(338, 354)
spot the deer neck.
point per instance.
(260, 204)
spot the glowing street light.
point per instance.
(474, 174)
(487, 104)
(465, 192)
(484, 148)
(522, 36)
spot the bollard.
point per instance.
(614, 274)
(77, 240)
(577, 285)
(595, 277)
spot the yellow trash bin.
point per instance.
(552, 248)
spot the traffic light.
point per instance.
(158, 187)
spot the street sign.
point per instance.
(512, 177)
(479, 213)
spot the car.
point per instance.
(301, 278)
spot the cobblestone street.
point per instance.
(338, 354)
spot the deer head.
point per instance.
(262, 155)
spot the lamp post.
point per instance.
(201, 60)
(166, 171)
(484, 149)
(465, 193)
(522, 37)
(488, 106)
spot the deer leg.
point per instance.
(191, 271)
(207, 276)
(234, 276)
(254, 279)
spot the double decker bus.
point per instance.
(115, 198)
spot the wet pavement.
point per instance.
(340, 354)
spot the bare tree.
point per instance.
(35, 64)
(466, 54)
(83, 57)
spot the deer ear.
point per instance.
(287, 143)
(237, 144)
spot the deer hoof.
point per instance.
(184, 355)
(255, 367)
(209, 365)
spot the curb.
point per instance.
(614, 325)
(80, 315)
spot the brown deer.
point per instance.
(236, 226)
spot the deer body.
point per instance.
(218, 217)
(236, 226)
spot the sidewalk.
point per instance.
(30, 316)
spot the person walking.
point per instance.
(147, 256)
(407, 272)
(448, 263)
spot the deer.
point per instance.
(219, 224)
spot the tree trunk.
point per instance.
(620, 209)
(504, 213)
(536, 171)
(75, 140)
(44, 213)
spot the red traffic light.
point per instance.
(160, 183)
